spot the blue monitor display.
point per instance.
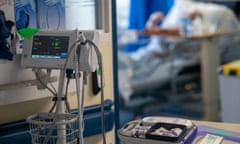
(50, 47)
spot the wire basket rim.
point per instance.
(35, 118)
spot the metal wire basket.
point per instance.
(51, 128)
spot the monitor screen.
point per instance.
(50, 47)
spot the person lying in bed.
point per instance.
(204, 17)
(191, 18)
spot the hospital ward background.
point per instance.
(126, 60)
(162, 74)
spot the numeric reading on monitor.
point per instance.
(51, 47)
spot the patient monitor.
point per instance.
(48, 49)
(54, 49)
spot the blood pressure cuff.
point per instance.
(5, 33)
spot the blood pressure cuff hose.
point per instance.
(5, 33)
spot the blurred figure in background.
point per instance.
(203, 18)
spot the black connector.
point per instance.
(70, 74)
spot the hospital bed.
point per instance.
(178, 67)
(159, 72)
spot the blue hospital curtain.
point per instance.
(140, 10)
